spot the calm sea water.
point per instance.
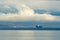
(29, 35)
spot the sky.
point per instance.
(23, 10)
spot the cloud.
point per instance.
(8, 9)
(27, 14)
(42, 4)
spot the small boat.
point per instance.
(38, 26)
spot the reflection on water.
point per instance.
(29, 35)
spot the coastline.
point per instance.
(29, 28)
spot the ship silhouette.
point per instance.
(39, 26)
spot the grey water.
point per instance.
(29, 35)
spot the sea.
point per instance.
(29, 34)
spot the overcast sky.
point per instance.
(42, 4)
(26, 10)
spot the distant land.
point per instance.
(29, 28)
(17, 26)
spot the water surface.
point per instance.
(29, 35)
